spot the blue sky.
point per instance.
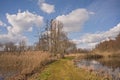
(87, 22)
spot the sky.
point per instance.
(87, 22)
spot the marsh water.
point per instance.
(7, 74)
(102, 67)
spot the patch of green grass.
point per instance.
(64, 69)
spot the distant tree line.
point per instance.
(111, 45)
(80, 50)
(12, 47)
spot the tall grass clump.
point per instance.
(24, 64)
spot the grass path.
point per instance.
(64, 69)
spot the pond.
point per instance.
(100, 68)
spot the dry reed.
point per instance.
(24, 63)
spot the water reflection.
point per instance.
(110, 62)
(1, 77)
(99, 69)
(7, 75)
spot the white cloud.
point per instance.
(90, 40)
(12, 38)
(23, 21)
(48, 8)
(30, 29)
(20, 23)
(74, 20)
(2, 24)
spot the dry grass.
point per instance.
(76, 55)
(107, 53)
(25, 63)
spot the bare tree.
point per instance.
(10, 47)
(54, 39)
(22, 46)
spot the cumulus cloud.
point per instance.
(23, 21)
(48, 8)
(2, 24)
(12, 38)
(20, 23)
(74, 20)
(90, 40)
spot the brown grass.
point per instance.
(24, 64)
(107, 53)
(76, 55)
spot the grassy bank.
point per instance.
(22, 65)
(64, 69)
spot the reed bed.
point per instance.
(25, 63)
